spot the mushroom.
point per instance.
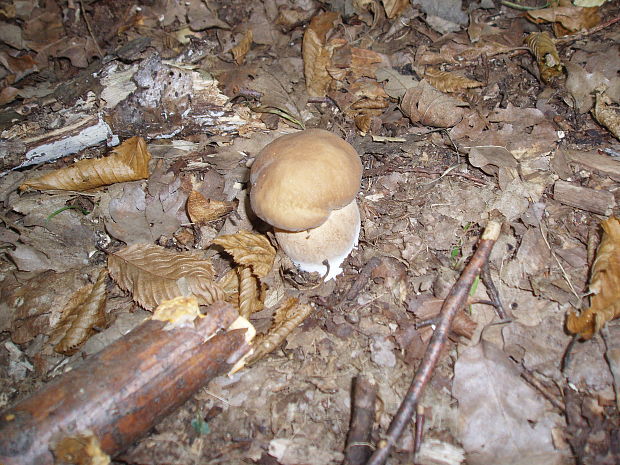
(304, 185)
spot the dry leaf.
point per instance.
(240, 50)
(549, 63)
(128, 162)
(566, 19)
(153, 274)
(426, 105)
(502, 419)
(396, 84)
(288, 316)
(84, 312)
(316, 54)
(201, 210)
(249, 249)
(607, 113)
(449, 82)
(81, 449)
(251, 292)
(394, 7)
(604, 285)
(178, 312)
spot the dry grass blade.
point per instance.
(249, 249)
(128, 162)
(153, 274)
(449, 82)
(604, 285)
(202, 210)
(240, 50)
(83, 313)
(317, 57)
(250, 292)
(549, 63)
(288, 316)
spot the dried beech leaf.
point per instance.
(153, 274)
(449, 82)
(178, 312)
(316, 55)
(549, 63)
(288, 316)
(604, 285)
(249, 249)
(251, 295)
(240, 50)
(83, 313)
(229, 283)
(566, 19)
(607, 114)
(425, 104)
(396, 84)
(128, 162)
(201, 210)
(81, 449)
(394, 7)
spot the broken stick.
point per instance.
(124, 390)
(362, 419)
(453, 303)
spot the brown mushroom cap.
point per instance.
(298, 179)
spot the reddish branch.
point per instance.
(453, 303)
(362, 419)
(124, 390)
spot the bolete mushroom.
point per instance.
(304, 185)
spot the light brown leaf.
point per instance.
(549, 63)
(604, 285)
(178, 312)
(570, 18)
(288, 316)
(240, 50)
(80, 449)
(249, 249)
(251, 292)
(449, 82)
(394, 7)
(128, 162)
(84, 311)
(153, 274)
(201, 210)
(425, 104)
(607, 113)
(316, 53)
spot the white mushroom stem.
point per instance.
(332, 241)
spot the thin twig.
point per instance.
(362, 418)
(580, 35)
(535, 383)
(90, 30)
(361, 281)
(492, 291)
(516, 6)
(419, 428)
(453, 303)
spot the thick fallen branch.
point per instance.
(453, 303)
(120, 393)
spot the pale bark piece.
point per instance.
(501, 418)
(596, 162)
(584, 198)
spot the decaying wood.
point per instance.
(151, 98)
(362, 419)
(124, 390)
(584, 198)
(602, 164)
(453, 303)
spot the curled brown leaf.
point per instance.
(201, 210)
(249, 249)
(424, 104)
(604, 285)
(128, 162)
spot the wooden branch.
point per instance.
(453, 303)
(362, 419)
(124, 390)
(584, 198)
